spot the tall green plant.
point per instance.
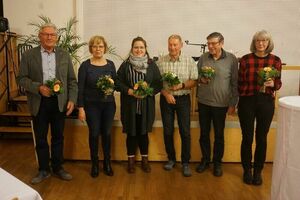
(67, 38)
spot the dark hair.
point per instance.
(215, 35)
(138, 38)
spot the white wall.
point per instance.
(21, 12)
(193, 19)
(120, 21)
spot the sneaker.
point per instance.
(170, 165)
(62, 174)
(203, 165)
(42, 175)
(186, 170)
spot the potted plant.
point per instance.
(67, 38)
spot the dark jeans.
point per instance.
(49, 114)
(182, 109)
(259, 108)
(217, 115)
(140, 140)
(100, 117)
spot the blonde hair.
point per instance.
(263, 34)
(96, 40)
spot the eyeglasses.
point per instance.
(212, 43)
(49, 34)
(97, 47)
(263, 41)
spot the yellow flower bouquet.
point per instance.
(142, 89)
(55, 85)
(170, 78)
(266, 74)
(207, 72)
(106, 84)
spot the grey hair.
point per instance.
(48, 25)
(175, 36)
(215, 35)
(263, 34)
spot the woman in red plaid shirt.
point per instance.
(255, 105)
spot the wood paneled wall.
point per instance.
(8, 61)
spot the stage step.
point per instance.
(15, 129)
(19, 99)
(15, 114)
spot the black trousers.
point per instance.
(182, 109)
(259, 108)
(100, 117)
(140, 140)
(217, 116)
(49, 114)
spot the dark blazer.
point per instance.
(128, 103)
(31, 77)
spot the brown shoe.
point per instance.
(145, 164)
(131, 164)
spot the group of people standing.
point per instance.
(234, 85)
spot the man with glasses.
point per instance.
(38, 66)
(217, 95)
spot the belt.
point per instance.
(179, 96)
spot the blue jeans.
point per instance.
(182, 109)
(100, 117)
(217, 115)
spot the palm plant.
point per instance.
(67, 38)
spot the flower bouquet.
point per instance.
(142, 89)
(266, 74)
(207, 72)
(170, 78)
(55, 85)
(106, 84)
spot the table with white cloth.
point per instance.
(12, 188)
(286, 164)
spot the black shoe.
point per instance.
(95, 170)
(257, 179)
(107, 168)
(62, 174)
(186, 170)
(42, 175)
(203, 165)
(217, 170)
(247, 177)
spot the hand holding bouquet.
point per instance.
(266, 75)
(207, 73)
(141, 89)
(106, 85)
(170, 78)
(55, 85)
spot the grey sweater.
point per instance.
(222, 89)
